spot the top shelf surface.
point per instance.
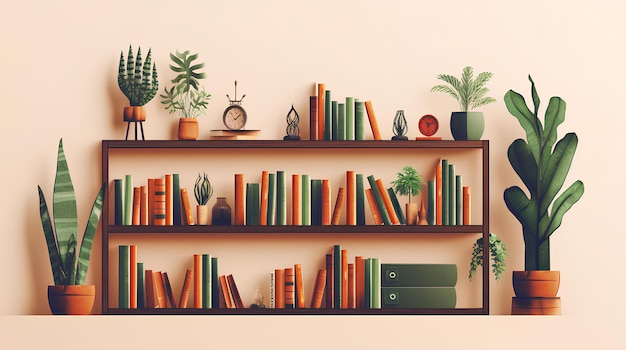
(278, 144)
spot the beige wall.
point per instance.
(59, 64)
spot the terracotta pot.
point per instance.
(188, 129)
(134, 114)
(202, 212)
(536, 283)
(71, 300)
(411, 213)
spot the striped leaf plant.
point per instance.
(138, 80)
(69, 265)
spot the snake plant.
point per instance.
(66, 268)
(542, 167)
(134, 78)
(203, 189)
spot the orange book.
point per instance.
(321, 100)
(351, 291)
(169, 295)
(265, 175)
(133, 276)
(290, 286)
(197, 281)
(186, 207)
(372, 118)
(359, 282)
(159, 201)
(344, 279)
(438, 194)
(378, 220)
(143, 209)
(160, 290)
(226, 297)
(326, 211)
(169, 200)
(350, 197)
(299, 304)
(232, 287)
(184, 294)
(388, 204)
(151, 298)
(318, 289)
(466, 206)
(296, 200)
(240, 199)
(338, 206)
(136, 205)
(279, 288)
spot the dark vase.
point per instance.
(221, 212)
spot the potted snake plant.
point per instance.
(542, 164)
(203, 191)
(69, 294)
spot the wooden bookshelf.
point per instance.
(286, 232)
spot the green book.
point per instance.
(445, 187)
(378, 198)
(431, 203)
(316, 202)
(253, 204)
(128, 200)
(281, 198)
(396, 206)
(306, 200)
(341, 121)
(119, 201)
(451, 195)
(360, 200)
(359, 120)
(176, 199)
(419, 275)
(337, 276)
(418, 297)
(215, 284)
(335, 121)
(328, 127)
(459, 200)
(350, 118)
(271, 199)
(140, 285)
(123, 283)
(376, 283)
(367, 294)
(206, 281)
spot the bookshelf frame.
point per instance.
(108, 229)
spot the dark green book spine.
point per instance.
(379, 200)
(123, 283)
(271, 199)
(253, 203)
(306, 200)
(206, 281)
(316, 202)
(451, 195)
(350, 118)
(359, 120)
(367, 295)
(418, 297)
(341, 121)
(335, 120)
(431, 203)
(445, 187)
(396, 206)
(328, 127)
(215, 284)
(360, 200)
(176, 199)
(337, 274)
(459, 200)
(140, 286)
(419, 275)
(128, 200)
(119, 201)
(281, 198)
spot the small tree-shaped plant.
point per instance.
(409, 182)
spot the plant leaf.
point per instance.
(516, 105)
(90, 231)
(64, 205)
(55, 259)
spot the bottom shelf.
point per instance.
(272, 312)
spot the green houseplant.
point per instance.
(497, 252)
(408, 183)
(203, 191)
(186, 97)
(138, 81)
(69, 265)
(542, 164)
(471, 93)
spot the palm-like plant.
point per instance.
(187, 97)
(469, 92)
(409, 182)
(66, 270)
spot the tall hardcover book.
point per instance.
(299, 286)
(419, 275)
(359, 281)
(396, 206)
(169, 200)
(326, 206)
(318, 289)
(252, 204)
(296, 200)
(387, 201)
(159, 202)
(290, 288)
(351, 286)
(367, 295)
(378, 220)
(466, 206)
(184, 294)
(132, 253)
(225, 293)
(168, 291)
(334, 121)
(445, 188)
(281, 198)
(240, 199)
(345, 274)
(235, 292)
(272, 290)
(321, 105)
(136, 206)
(338, 206)
(431, 203)
(151, 200)
(143, 207)
(271, 199)
(360, 200)
(418, 297)
(350, 197)
(458, 190)
(350, 118)
(279, 287)
(206, 282)
(378, 198)
(375, 264)
(451, 195)
(372, 119)
(141, 286)
(123, 283)
(341, 121)
(119, 201)
(186, 207)
(330, 280)
(176, 211)
(128, 200)
(197, 281)
(306, 200)
(438, 194)
(265, 178)
(316, 202)
(337, 277)
(151, 298)
(359, 120)
(215, 283)
(313, 122)
(328, 127)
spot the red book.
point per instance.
(329, 281)
(151, 299)
(344, 279)
(186, 207)
(279, 288)
(136, 205)
(466, 205)
(326, 211)
(313, 121)
(299, 286)
(290, 290)
(232, 286)
(160, 290)
(438, 194)
(226, 297)
(318, 289)
(378, 220)
(184, 294)
(351, 286)
(350, 197)
(372, 118)
(321, 91)
(197, 281)
(388, 204)
(338, 206)
(133, 276)
(240, 199)
(296, 201)
(169, 200)
(359, 281)
(143, 209)
(159, 201)
(264, 196)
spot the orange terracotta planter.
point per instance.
(536, 283)
(71, 300)
(134, 114)
(188, 129)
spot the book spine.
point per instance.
(313, 122)
(341, 121)
(159, 202)
(119, 201)
(367, 295)
(431, 203)
(459, 200)
(240, 199)
(132, 253)
(372, 119)
(350, 198)
(338, 206)
(184, 294)
(326, 207)
(265, 175)
(378, 198)
(316, 202)
(330, 280)
(337, 277)
(360, 200)
(271, 199)
(318, 289)
(123, 292)
(466, 205)
(281, 198)
(206, 281)
(328, 128)
(351, 286)
(345, 274)
(359, 120)
(143, 207)
(334, 121)
(151, 301)
(439, 195)
(350, 118)
(168, 290)
(289, 288)
(375, 283)
(272, 290)
(141, 286)
(176, 211)
(215, 283)
(186, 206)
(197, 281)
(128, 199)
(169, 200)
(159, 289)
(235, 292)
(299, 287)
(252, 204)
(378, 220)
(225, 292)
(306, 200)
(151, 200)
(445, 188)
(296, 200)
(320, 110)
(279, 276)
(136, 206)
(396, 206)
(359, 281)
(451, 195)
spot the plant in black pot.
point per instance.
(471, 93)
(542, 164)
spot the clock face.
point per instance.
(428, 125)
(235, 117)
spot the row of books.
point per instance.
(449, 202)
(330, 119)
(144, 288)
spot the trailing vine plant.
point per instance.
(497, 250)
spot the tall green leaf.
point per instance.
(90, 232)
(516, 105)
(64, 206)
(524, 164)
(563, 204)
(556, 169)
(55, 259)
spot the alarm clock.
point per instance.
(235, 116)
(428, 126)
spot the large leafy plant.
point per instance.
(469, 92)
(61, 237)
(187, 97)
(135, 80)
(542, 167)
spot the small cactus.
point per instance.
(134, 78)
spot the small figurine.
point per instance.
(293, 130)
(257, 302)
(399, 126)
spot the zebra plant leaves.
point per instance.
(61, 238)
(138, 80)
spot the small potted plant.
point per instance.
(187, 97)
(203, 192)
(409, 183)
(471, 93)
(68, 295)
(138, 81)
(542, 164)
(497, 251)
